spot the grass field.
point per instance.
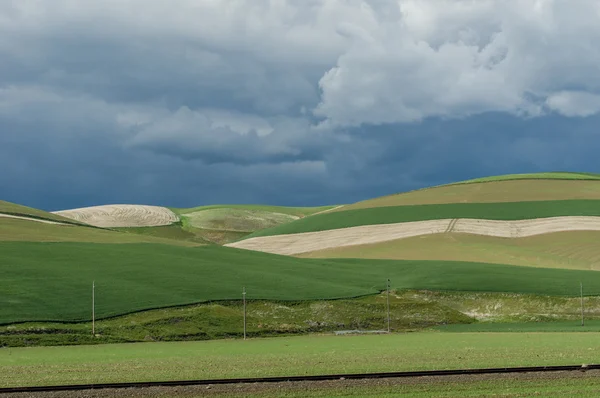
(571, 250)
(32, 231)
(506, 386)
(19, 210)
(134, 277)
(293, 211)
(557, 175)
(489, 192)
(524, 327)
(264, 318)
(291, 356)
(240, 220)
(398, 214)
(222, 224)
(409, 311)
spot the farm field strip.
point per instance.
(18, 230)
(501, 211)
(556, 384)
(285, 356)
(32, 219)
(515, 190)
(108, 216)
(14, 209)
(135, 277)
(238, 220)
(291, 244)
(569, 250)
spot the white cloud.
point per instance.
(455, 58)
(374, 61)
(574, 103)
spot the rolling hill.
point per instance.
(533, 234)
(135, 277)
(216, 224)
(491, 209)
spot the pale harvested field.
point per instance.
(112, 216)
(31, 219)
(293, 244)
(489, 192)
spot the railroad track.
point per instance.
(279, 379)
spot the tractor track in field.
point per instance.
(280, 379)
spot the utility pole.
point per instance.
(581, 290)
(244, 296)
(388, 305)
(93, 308)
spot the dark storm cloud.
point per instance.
(186, 103)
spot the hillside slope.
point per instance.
(512, 206)
(135, 277)
(30, 212)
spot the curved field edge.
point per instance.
(294, 211)
(409, 311)
(122, 215)
(14, 209)
(518, 190)
(506, 211)
(571, 250)
(13, 229)
(136, 277)
(293, 244)
(237, 220)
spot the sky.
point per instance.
(289, 102)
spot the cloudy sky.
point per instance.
(290, 102)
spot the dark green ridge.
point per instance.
(53, 281)
(397, 214)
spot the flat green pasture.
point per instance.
(571, 249)
(52, 281)
(524, 327)
(291, 356)
(569, 384)
(397, 214)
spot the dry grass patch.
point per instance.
(109, 216)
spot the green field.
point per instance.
(524, 327)
(293, 211)
(409, 311)
(506, 386)
(33, 231)
(263, 319)
(557, 175)
(135, 277)
(571, 250)
(19, 210)
(292, 356)
(398, 214)
(222, 224)
(489, 192)
(239, 220)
